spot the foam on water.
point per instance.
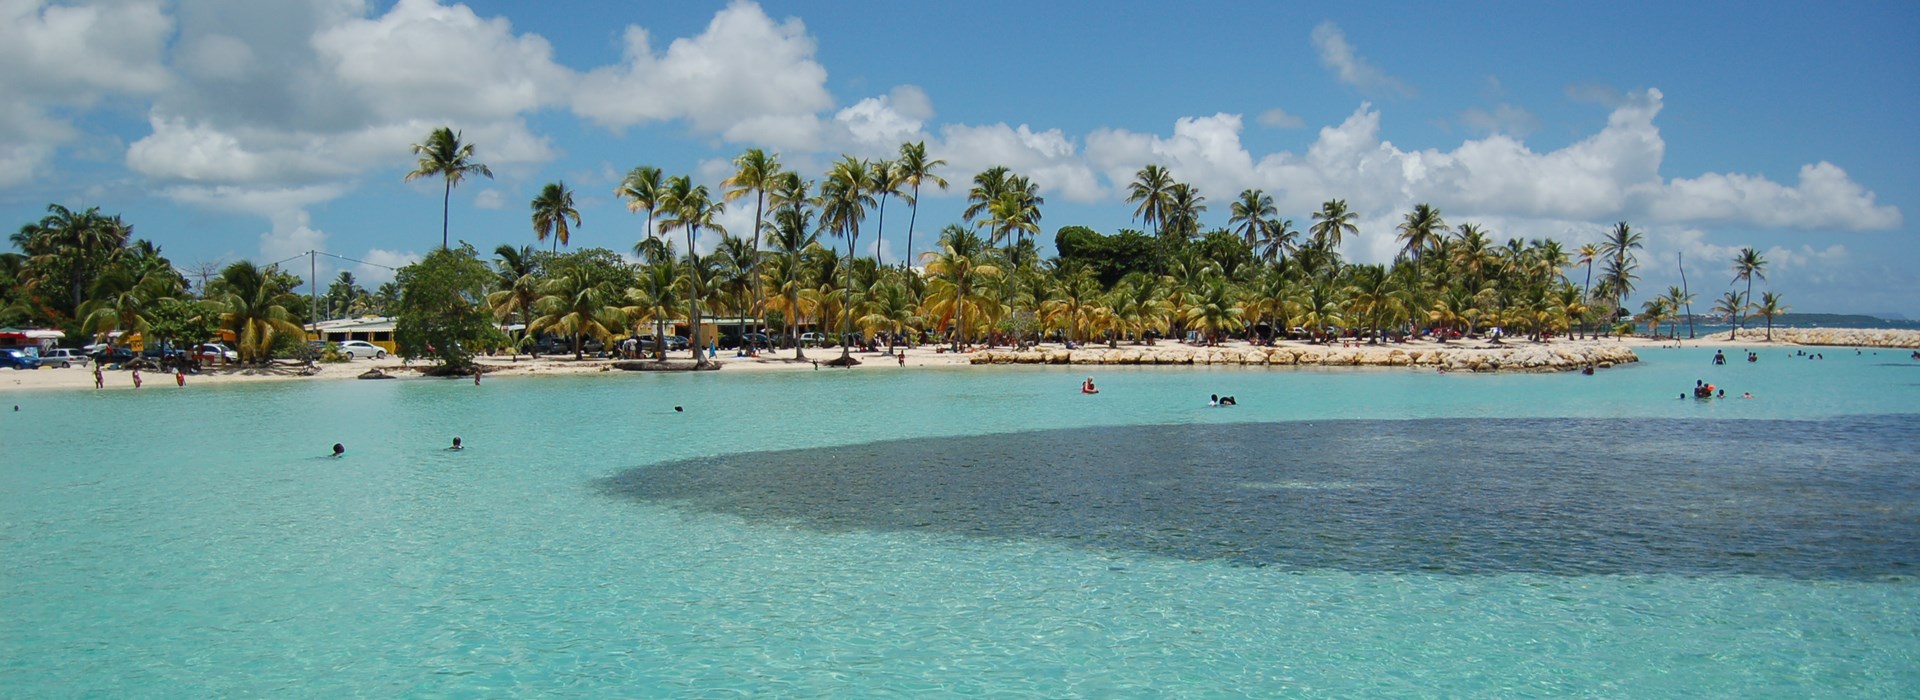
(194, 543)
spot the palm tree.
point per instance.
(1420, 232)
(884, 181)
(1677, 299)
(793, 235)
(689, 207)
(72, 246)
(572, 303)
(254, 309)
(123, 303)
(1150, 188)
(1770, 307)
(443, 155)
(1618, 276)
(1333, 223)
(987, 186)
(656, 298)
(844, 197)
(959, 273)
(1748, 264)
(642, 189)
(1588, 253)
(1277, 240)
(1252, 215)
(891, 308)
(916, 169)
(551, 212)
(1183, 208)
(1653, 312)
(754, 171)
(517, 289)
(1213, 308)
(1730, 305)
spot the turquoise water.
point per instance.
(193, 543)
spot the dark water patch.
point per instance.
(1826, 499)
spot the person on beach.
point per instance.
(476, 377)
(179, 377)
(456, 445)
(99, 382)
(136, 378)
(339, 450)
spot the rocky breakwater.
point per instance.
(1513, 357)
(1847, 337)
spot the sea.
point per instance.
(935, 532)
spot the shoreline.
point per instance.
(1560, 354)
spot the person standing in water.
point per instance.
(339, 450)
(99, 382)
(456, 445)
(136, 377)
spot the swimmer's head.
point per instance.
(677, 409)
(339, 449)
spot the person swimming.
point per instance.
(339, 450)
(1087, 387)
(1229, 401)
(1213, 399)
(456, 445)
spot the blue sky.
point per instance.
(227, 129)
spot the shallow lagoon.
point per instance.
(194, 542)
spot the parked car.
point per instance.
(63, 358)
(674, 342)
(812, 339)
(757, 340)
(216, 352)
(356, 349)
(18, 359)
(108, 355)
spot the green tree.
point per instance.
(442, 311)
(1421, 231)
(844, 197)
(1618, 247)
(1731, 305)
(960, 273)
(442, 155)
(575, 304)
(1333, 223)
(1251, 215)
(66, 249)
(1771, 306)
(1747, 265)
(754, 172)
(551, 212)
(254, 306)
(691, 208)
(1150, 188)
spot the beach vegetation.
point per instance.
(442, 314)
(445, 156)
(257, 305)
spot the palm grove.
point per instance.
(800, 267)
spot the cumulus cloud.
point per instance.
(746, 76)
(1347, 65)
(1502, 119)
(55, 58)
(1048, 157)
(378, 266)
(489, 199)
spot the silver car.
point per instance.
(63, 357)
(356, 349)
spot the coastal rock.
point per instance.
(1524, 357)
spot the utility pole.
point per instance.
(313, 292)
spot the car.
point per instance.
(356, 349)
(674, 342)
(757, 340)
(813, 339)
(215, 352)
(108, 354)
(18, 359)
(63, 358)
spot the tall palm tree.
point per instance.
(844, 197)
(793, 235)
(72, 246)
(1419, 232)
(551, 212)
(517, 288)
(1771, 306)
(1150, 187)
(642, 188)
(121, 302)
(254, 309)
(1277, 240)
(890, 308)
(442, 155)
(690, 208)
(916, 169)
(1618, 247)
(1748, 264)
(1731, 305)
(1252, 215)
(884, 181)
(754, 172)
(1333, 223)
(1588, 253)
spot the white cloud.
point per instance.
(1349, 67)
(1825, 198)
(889, 120)
(745, 76)
(1279, 119)
(382, 265)
(68, 57)
(1048, 157)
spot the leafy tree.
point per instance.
(1150, 188)
(443, 312)
(915, 170)
(755, 172)
(442, 155)
(1618, 247)
(1731, 305)
(690, 208)
(1747, 265)
(65, 250)
(1333, 223)
(1109, 258)
(181, 322)
(253, 305)
(844, 197)
(1771, 306)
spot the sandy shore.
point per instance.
(81, 378)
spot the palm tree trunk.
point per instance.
(759, 311)
(911, 218)
(693, 303)
(445, 201)
(846, 309)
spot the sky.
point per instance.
(237, 129)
